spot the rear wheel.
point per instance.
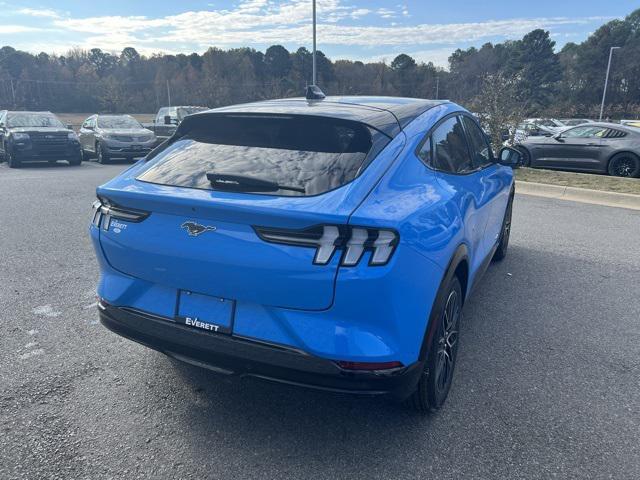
(101, 155)
(624, 164)
(505, 233)
(75, 161)
(436, 379)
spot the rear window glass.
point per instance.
(312, 155)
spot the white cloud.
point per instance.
(289, 24)
(359, 12)
(13, 29)
(38, 12)
(386, 13)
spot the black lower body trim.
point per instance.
(232, 355)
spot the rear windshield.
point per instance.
(33, 120)
(312, 155)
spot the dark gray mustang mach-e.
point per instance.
(595, 147)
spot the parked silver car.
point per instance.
(574, 122)
(595, 147)
(538, 127)
(115, 136)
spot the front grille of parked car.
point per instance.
(49, 139)
(123, 138)
(49, 143)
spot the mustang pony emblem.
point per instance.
(196, 229)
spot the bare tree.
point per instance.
(500, 107)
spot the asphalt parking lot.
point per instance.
(548, 379)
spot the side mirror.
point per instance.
(558, 136)
(510, 157)
(167, 120)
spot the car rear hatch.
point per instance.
(193, 217)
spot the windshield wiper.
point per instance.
(243, 183)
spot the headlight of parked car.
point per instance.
(20, 137)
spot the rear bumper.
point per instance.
(233, 355)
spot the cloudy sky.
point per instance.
(354, 29)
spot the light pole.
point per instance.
(606, 81)
(314, 77)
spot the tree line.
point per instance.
(538, 80)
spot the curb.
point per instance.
(583, 195)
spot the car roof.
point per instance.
(388, 114)
(29, 111)
(616, 126)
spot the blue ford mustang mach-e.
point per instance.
(325, 243)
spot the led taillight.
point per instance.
(327, 239)
(104, 211)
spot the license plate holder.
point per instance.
(204, 312)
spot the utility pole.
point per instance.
(168, 93)
(314, 75)
(13, 93)
(606, 81)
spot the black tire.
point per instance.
(526, 156)
(75, 161)
(625, 164)
(505, 233)
(12, 160)
(435, 382)
(101, 155)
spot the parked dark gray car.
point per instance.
(36, 136)
(597, 147)
(115, 136)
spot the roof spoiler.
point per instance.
(314, 93)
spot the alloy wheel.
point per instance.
(448, 343)
(506, 231)
(624, 166)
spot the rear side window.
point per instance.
(311, 154)
(479, 146)
(585, 132)
(449, 147)
(613, 133)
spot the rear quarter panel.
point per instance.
(432, 224)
